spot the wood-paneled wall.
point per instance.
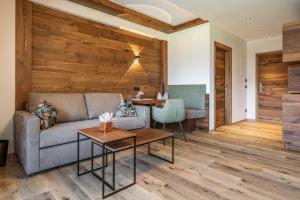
(23, 51)
(291, 101)
(290, 115)
(291, 42)
(294, 78)
(71, 54)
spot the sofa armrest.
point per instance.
(144, 111)
(27, 129)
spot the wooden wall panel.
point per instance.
(71, 54)
(291, 101)
(291, 126)
(164, 60)
(23, 51)
(294, 78)
(291, 42)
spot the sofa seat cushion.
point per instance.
(70, 106)
(67, 132)
(98, 103)
(64, 132)
(194, 113)
(129, 123)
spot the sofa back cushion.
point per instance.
(70, 106)
(193, 95)
(98, 103)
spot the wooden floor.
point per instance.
(244, 161)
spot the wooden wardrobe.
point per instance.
(291, 101)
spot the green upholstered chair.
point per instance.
(172, 112)
(194, 102)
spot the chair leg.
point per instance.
(182, 132)
(154, 124)
(164, 127)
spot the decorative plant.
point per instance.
(106, 122)
(106, 117)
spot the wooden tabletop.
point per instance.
(148, 102)
(99, 136)
(143, 136)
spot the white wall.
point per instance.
(7, 69)
(191, 61)
(254, 47)
(189, 56)
(239, 47)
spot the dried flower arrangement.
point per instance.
(106, 122)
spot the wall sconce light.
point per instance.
(137, 57)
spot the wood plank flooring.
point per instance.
(243, 161)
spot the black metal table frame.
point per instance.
(104, 164)
(159, 157)
(104, 155)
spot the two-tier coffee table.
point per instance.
(116, 141)
(103, 139)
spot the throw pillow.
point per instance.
(47, 115)
(126, 109)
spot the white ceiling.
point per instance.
(163, 10)
(230, 15)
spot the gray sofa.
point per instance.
(40, 150)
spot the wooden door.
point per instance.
(222, 85)
(272, 84)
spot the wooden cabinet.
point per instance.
(291, 42)
(291, 101)
(291, 121)
(294, 78)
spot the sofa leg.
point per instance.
(182, 132)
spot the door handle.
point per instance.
(261, 88)
(224, 86)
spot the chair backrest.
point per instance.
(175, 110)
(193, 95)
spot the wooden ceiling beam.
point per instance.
(128, 14)
(189, 24)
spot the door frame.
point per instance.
(228, 79)
(256, 79)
